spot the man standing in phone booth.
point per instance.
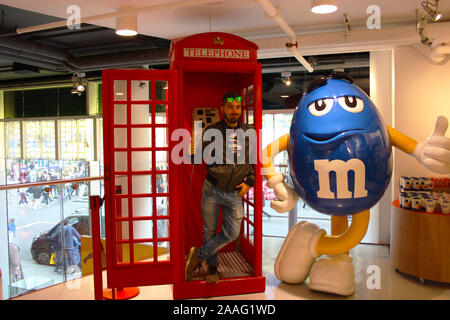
(229, 177)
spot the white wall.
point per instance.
(422, 93)
(381, 93)
(410, 93)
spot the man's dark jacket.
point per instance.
(228, 176)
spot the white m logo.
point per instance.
(324, 167)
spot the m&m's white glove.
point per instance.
(434, 153)
(287, 197)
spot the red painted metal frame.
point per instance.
(134, 273)
(252, 252)
(139, 274)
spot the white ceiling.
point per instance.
(241, 17)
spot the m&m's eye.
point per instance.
(351, 104)
(320, 107)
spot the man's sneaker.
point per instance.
(212, 276)
(193, 263)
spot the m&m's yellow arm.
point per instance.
(401, 141)
(270, 152)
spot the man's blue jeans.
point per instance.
(232, 214)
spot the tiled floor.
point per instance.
(394, 285)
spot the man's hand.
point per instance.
(434, 153)
(244, 189)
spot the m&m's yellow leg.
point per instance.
(342, 243)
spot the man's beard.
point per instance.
(234, 119)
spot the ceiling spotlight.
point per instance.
(431, 7)
(286, 78)
(79, 85)
(323, 6)
(126, 25)
(287, 81)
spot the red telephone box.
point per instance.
(152, 205)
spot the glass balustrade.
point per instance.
(45, 236)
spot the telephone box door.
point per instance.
(138, 108)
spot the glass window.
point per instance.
(39, 139)
(161, 90)
(76, 139)
(161, 114)
(100, 142)
(13, 143)
(48, 140)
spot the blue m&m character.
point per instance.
(338, 142)
(340, 157)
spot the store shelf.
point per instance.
(420, 243)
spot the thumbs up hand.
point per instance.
(434, 153)
(286, 196)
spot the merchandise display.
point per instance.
(420, 194)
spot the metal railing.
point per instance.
(52, 186)
(48, 183)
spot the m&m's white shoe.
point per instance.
(297, 254)
(333, 274)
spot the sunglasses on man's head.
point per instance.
(230, 99)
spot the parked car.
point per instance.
(42, 246)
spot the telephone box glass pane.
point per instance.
(143, 252)
(162, 228)
(143, 207)
(164, 251)
(161, 206)
(141, 90)
(161, 183)
(120, 137)
(123, 253)
(161, 112)
(121, 185)
(161, 89)
(122, 207)
(141, 160)
(251, 195)
(142, 184)
(141, 137)
(250, 95)
(120, 161)
(161, 160)
(245, 227)
(142, 229)
(141, 114)
(250, 116)
(120, 90)
(161, 138)
(251, 215)
(122, 231)
(251, 236)
(120, 114)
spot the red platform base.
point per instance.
(120, 293)
(225, 287)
